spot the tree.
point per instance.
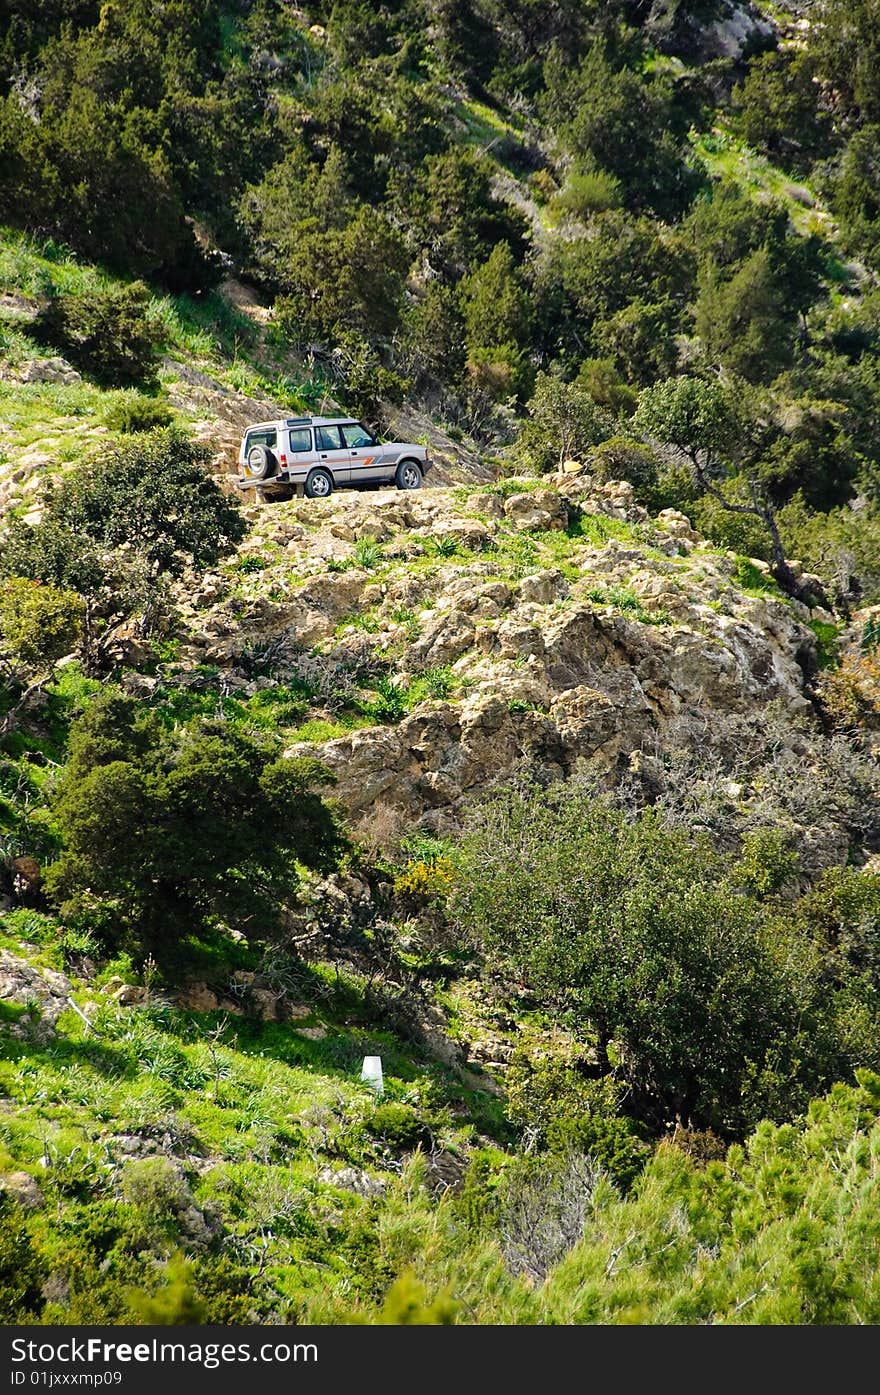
(630, 931)
(433, 347)
(843, 38)
(497, 317)
(38, 624)
(628, 124)
(105, 332)
(641, 339)
(584, 281)
(777, 108)
(118, 527)
(150, 496)
(697, 418)
(562, 422)
(742, 320)
(856, 192)
(342, 278)
(166, 833)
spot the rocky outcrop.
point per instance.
(716, 29)
(43, 992)
(550, 628)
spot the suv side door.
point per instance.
(367, 456)
(300, 455)
(331, 451)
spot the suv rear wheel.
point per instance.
(409, 475)
(319, 484)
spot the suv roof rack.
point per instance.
(298, 421)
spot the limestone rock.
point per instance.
(45, 991)
(353, 1179)
(129, 994)
(541, 510)
(48, 370)
(22, 1188)
(197, 997)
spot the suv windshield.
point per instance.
(356, 435)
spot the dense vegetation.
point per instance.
(358, 162)
(565, 233)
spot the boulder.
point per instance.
(197, 997)
(353, 1179)
(45, 991)
(23, 1189)
(541, 510)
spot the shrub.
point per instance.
(741, 532)
(174, 1303)
(408, 1303)
(21, 1269)
(38, 623)
(634, 934)
(621, 458)
(850, 694)
(425, 881)
(768, 861)
(164, 833)
(563, 422)
(146, 508)
(135, 413)
(593, 191)
(545, 1209)
(560, 1108)
(398, 1125)
(106, 332)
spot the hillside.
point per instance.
(554, 783)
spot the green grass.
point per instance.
(207, 332)
(624, 599)
(727, 157)
(828, 646)
(320, 729)
(752, 580)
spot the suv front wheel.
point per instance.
(409, 475)
(319, 484)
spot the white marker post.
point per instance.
(371, 1074)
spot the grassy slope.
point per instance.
(256, 1114)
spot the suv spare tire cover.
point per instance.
(261, 462)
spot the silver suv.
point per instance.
(318, 454)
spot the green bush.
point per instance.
(563, 1109)
(164, 833)
(137, 413)
(398, 1125)
(106, 332)
(21, 1268)
(38, 623)
(562, 422)
(592, 191)
(622, 458)
(637, 936)
(146, 508)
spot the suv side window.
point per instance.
(328, 438)
(300, 441)
(261, 438)
(356, 435)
